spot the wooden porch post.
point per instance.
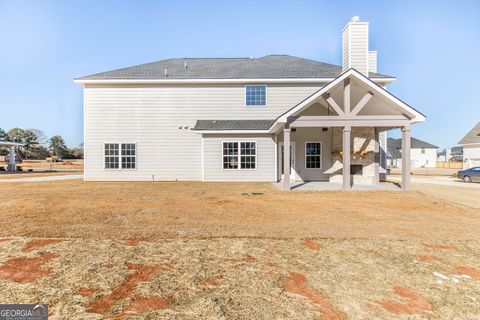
(377, 156)
(286, 158)
(405, 158)
(346, 158)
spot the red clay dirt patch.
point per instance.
(37, 243)
(439, 247)
(5, 239)
(85, 291)
(297, 284)
(145, 304)
(124, 289)
(415, 304)
(311, 244)
(428, 258)
(469, 271)
(25, 270)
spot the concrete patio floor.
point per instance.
(331, 186)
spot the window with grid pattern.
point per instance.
(313, 155)
(256, 95)
(239, 155)
(230, 155)
(248, 155)
(111, 156)
(128, 156)
(120, 156)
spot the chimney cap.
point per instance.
(355, 19)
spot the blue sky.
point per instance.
(431, 46)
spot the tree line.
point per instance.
(36, 145)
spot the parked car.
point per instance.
(470, 175)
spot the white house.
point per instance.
(422, 154)
(453, 154)
(471, 148)
(229, 119)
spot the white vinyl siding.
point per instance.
(214, 158)
(160, 118)
(355, 47)
(471, 155)
(372, 61)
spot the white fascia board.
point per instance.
(469, 144)
(213, 81)
(232, 131)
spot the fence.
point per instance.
(450, 165)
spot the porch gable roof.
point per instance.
(414, 115)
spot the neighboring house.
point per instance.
(423, 154)
(471, 148)
(230, 119)
(454, 154)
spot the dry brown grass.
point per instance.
(156, 210)
(216, 251)
(214, 279)
(41, 168)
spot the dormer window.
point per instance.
(255, 96)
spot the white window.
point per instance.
(313, 155)
(255, 96)
(128, 156)
(120, 156)
(240, 155)
(111, 156)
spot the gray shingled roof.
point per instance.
(395, 145)
(473, 136)
(233, 124)
(392, 150)
(272, 66)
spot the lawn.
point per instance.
(236, 251)
(42, 168)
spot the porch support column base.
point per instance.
(286, 158)
(346, 158)
(405, 158)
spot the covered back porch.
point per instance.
(338, 135)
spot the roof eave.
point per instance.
(229, 131)
(202, 81)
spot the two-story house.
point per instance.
(230, 119)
